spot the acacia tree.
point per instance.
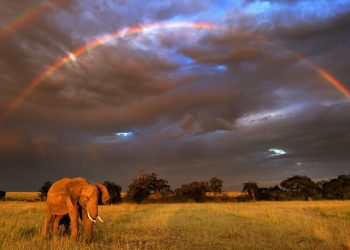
(144, 184)
(215, 185)
(251, 188)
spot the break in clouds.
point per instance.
(243, 102)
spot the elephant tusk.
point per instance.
(99, 218)
(90, 218)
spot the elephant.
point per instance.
(67, 200)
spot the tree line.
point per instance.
(148, 187)
(300, 188)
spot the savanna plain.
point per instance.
(225, 225)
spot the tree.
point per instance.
(251, 188)
(271, 193)
(215, 185)
(161, 186)
(144, 184)
(338, 188)
(44, 190)
(300, 187)
(114, 191)
(195, 190)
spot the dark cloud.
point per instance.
(200, 103)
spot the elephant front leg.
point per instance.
(74, 218)
(48, 219)
(88, 226)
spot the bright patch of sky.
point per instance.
(118, 137)
(300, 11)
(221, 67)
(277, 151)
(264, 116)
(258, 7)
(124, 134)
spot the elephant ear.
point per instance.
(73, 189)
(103, 196)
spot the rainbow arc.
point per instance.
(94, 43)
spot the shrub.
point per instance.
(195, 191)
(2, 195)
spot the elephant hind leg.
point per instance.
(48, 219)
(56, 224)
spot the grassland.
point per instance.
(22, 196)
(254, 225)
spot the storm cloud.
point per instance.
(199, 102)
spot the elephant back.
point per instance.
(61, 189)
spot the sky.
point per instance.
(242, 90)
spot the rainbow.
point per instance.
(71, 56)
(327, 76)
(94, 43)
(27, 16)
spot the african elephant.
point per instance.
(74, 197)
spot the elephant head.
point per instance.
(90, 197)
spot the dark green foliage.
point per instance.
(44, 190)
(161, 186)
(301, 188)
(251, 188)
(195, 190)
(114, 191)
(269, 194)
(215, 185)
(338, 188)
(144, 184)
(2, 195)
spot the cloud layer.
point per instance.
(200, 103)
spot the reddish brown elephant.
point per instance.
(74, 198)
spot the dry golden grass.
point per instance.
(251, 225)
(22, 196)
(228, 194)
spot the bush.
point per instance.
(2, 195)
(269, 194)
(195, 191)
